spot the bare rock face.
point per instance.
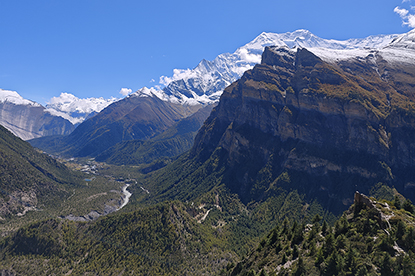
(332, 126)
(31, 121)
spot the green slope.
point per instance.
(27, 173)
(369, 239)
(159, 240)
(169, 144)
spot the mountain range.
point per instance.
(29, 120)
(206, 82)
(286, 147)
(325, 122)
(199, 86)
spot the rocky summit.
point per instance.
(326, 122)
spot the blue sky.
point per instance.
(93, 48)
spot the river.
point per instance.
(127, 196)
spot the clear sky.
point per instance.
(93, 48)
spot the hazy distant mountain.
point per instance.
(169, 144)
(28, 119)
(138, 116)
(77, 110)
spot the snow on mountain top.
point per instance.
(67, 102)
(393, 48)
(145, 92)
(15, 98)
(205, 83)
(406, 40)
(74, 109)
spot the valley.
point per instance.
(298, 162)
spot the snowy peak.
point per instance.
(205, 83)
(7, 96)
(27, 119)
(74, 109)
(306, 39)
(144, 92)
(406, 40)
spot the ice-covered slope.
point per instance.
(397, 49)
(27, 119)
(205, 83)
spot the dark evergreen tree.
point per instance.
(300, 270)
(407, 206)
(397, 202)
(333, 264)
(400, 229)
(386, 267)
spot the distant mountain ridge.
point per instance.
(77, 110)
(138, 116)
(200, 86)
(27, 119)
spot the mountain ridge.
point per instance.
(297, 121)
(205, 83)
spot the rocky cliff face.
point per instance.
(325, 126)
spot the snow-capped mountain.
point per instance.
(27, 119)
(205, 83)
(7, 96)
(77, 110)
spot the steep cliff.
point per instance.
(325, 126)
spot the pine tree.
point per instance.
(408, 267)
(300, 270)
(328, 245)
(397, 202)
(333, 264)
(400, 229)
(386, 267)
(407, 206)
(295, 252)
(316, 219)
(324, 228)
(409, 239)
(351, 260)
